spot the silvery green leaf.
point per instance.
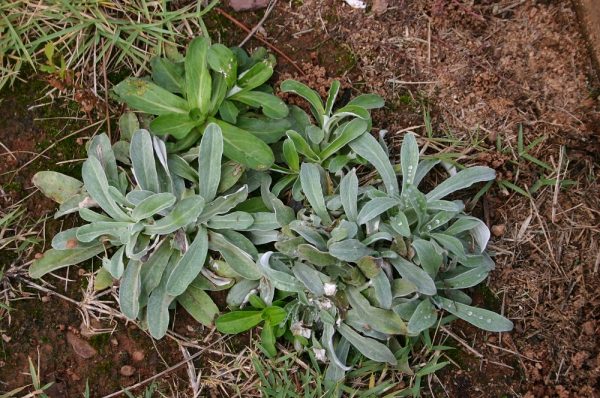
(290, 155)
(101, 149)
(56, 186)
(221, 268)
(355, 321)
(184, 213)
(332, 352)
(315, 134)
(235, 220)
(181, 168)
(344, 230)
(152, 205)
(209, 162)
(450, 243)
(96, 184)
(129, 290)
(283, 214)
(121, 151)
(223, 204)
(90, 232)
(468, 278)
(381, 320)
(137, 245)
(190, 265)
(428, 256)
(316, 105)
(462, 224)
(231, 172)
(153, 268)
(334, 202)
(483, 319)
(264, 237)
(402, 287)
(455, 206)
(267, 291)
(475, 260)
(310, 178)
(157, 311)
(348, 133)
(414, 274)
(423, 169)
(118, 197)
(71, 205)
(424, 317)
(199, 305)
(369, 347)
(374, 208)
(440, 219)
(136, 196)
(368, 101)
(212, 281)
(91, 216)
(197, 75)
(481, 235)
(54, 259)
(376, 237)
(461, 180)
(239, 260)
(349, 250)
(128, 124)
(310, 234)
(116, 266)
(143, 162)
(289, 247)
(280, 280)
(418, 202)
(67, 239)
(406, 308)
(399, 223)
(331, 96)
(310, 277)
(409, 159)
(458, 296)
(241, 241)
(302, 146)
(334, 374)
(263, 221)
(382, 290)
(239, 293)
(367, 147)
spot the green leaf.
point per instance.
(272, 106)
(222, 60)
(157, 311)
(197, 75)
(96, 184)
(349, 194)
(382, 290)
(368, 101)
(450, 243)
(102, 280)
(370, 348)
(56, 186)
(190, 265)
(129, 290)
(199, 305)
(155, 265)
(331, 96)
(374, 208)
(237, 220)
(209, 162)
(461, 180)
(423, 318)
(167, 74)
(414, 274)
(228, 112)
(238, 259)
(381, 320)
(184, 213)
(316, 105)
(314, 255)
(238, 321)
(258, 74)
(280, 280)
(348, 133)
(231, 172)
(90, 232)
(310, 178)
(310, 277)
(53, 259)
(274, 315)
(152, 205)
(115, 266)
(242, 147)
(399, 223)
(483, 319)
(101, 148)
(469, 278)
(267, 340)
(174, 124)
(290, 155)
(223, 204)
(148, 97)
(128, 124)
(142, 160)
(302, 146)
(267, 129)
(428, 256)
(409, 159)
(349, 250)
(367, 147)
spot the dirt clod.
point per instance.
(80, 346)
(127, 370)
(138, 356)
(498, 230)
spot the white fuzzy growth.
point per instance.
(330, 288)
(356, 3)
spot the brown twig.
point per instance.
(261, 39)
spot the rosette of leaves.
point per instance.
(156, 219)
(367, 268)
(325, 143)
(212, 84)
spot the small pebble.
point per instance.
(127, 370)
(138, 356)
(498, 230)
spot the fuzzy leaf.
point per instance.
(148, 97)
(199, 305)
(414, 274)
(190, 265)
(461, 180)
(197, 76)
(209, 162)
(56, 186)
(483, 319)
(239, 260)
(370, 348)
(310, 178)
(53, 259)
(367, 147)
(129, 290)
(184, 213)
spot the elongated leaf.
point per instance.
(129, 290)
(97, 186)
(368, 101)
(290, 155)
(147, 97)
(461, 180)
(115, 266)
(237, 220)
(316, 105)
(184, 213)
(280, 280)
(199, 305)
(101, 148)
(258, 74)
(157, 312)
(314, 255)
(222, 60)
(381, 320)
(301, 145)
(175, 124)
(349, 132)
(167, 74)
(349, 194)
(190, 265)
(423, 318)
(223, 204)
(152, 205)
(367, 147)
(197, 75)
(349, 250)
(154, 267)
(128, 124)
(409, 159)
(415, 275)
(374, 208)
(142, 160)
(450, 243)
(430, 259)
(240, 292)
(469, 278)
(242, 147)
(483, 319)
(67, 239)
(239, 260)
(238, 321)
(382, 290)
(209, 162)
(90, 232)
(331, 96)
(310, 178)
(53, 259)
(310, 277)
(271, 105)
(370, 348)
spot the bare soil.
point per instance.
(480, 70)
